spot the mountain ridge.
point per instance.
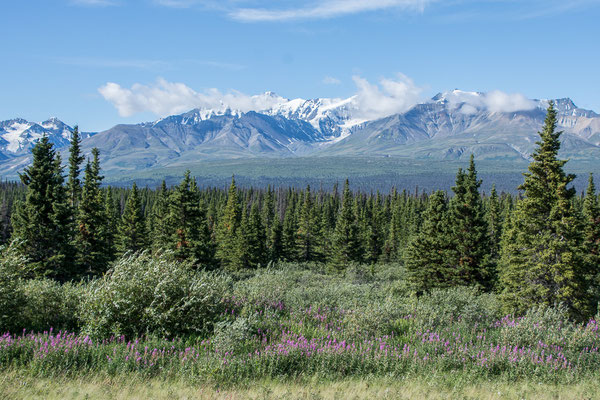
(449, 126)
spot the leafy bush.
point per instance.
(549, 325)
(442, 307)
(146, 294)
(48, 304)
(11, 293)
(231, 336)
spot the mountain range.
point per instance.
(450, 126)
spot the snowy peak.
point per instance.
(18, 136)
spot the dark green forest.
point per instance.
(539, 247)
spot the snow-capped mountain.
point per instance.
(451, 125)
(455, 124)
(18, 136)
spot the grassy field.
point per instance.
(293, 331)
(19, 386)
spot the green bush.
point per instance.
(142, 294)
(11, 293)
(48, 304)
(441, 307)
(549, 325)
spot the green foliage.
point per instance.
(49, 304)
(93, 238)
(43, 221)
(468, 233)
(75, 160)
(427, 260)
(542, 261)
(132, 228)
(146, 294)
(12, 298)
(347, 246)
(186, 220)
(591, 244)
(228, 233)
(540, 324)
(443, 307)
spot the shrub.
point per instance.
(11, 293)
(549, 325)
(146, 294)
(441, 307)
(48, 304)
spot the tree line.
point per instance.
(541, 247)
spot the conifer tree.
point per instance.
(373, 229)
(190, 237)
(591, 214)
(90, 239)
(132, 228)
(542, 260)
(307, 236)
(346, 238)
(427, 261)
(275, 242)
(228, 231)
(159, 225)
(113, 215)
(289, 230)
(391, 249)
(468, 233)
(75, 161)
(43, 220)
(494, 220)
(253, 239)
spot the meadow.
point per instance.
(285, 331)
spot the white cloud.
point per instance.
(176, 3)
(388, 98)
(100, 3)
(330, 80)
(495, 101)
(167, 98)
(325, 9)
(371, 101)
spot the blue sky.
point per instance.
(102, 62)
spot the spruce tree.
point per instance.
(132, 234)
(289, 230)
(391, 248)
(159, 226)
(542, 261)
(275, 242)
(91, 239)
(253, 239)
(307, 236)
(373, 230)
(468, 233)
(75, 161)
(43, 221)
(426, 258)
(190, 236)
(494, 220)
(227, 232)
(591, 214)
(346, 238)
(113, 215)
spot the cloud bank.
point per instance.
(167, 98)
(495, 101)
(370, 101)
(324, 9)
